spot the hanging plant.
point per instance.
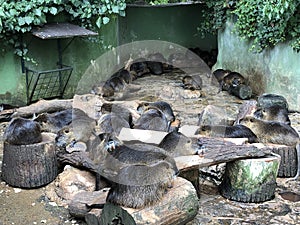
(265, 23)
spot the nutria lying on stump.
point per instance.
(140, 173)
(276, 133)
(21, 131)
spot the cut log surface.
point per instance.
(29, 166)
(43, 106)
(178, 206)
(250, 180)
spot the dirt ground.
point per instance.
(32, 206)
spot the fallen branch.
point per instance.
(43, 106)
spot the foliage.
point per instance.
(20, 16)
(265, 23)
(156, 2)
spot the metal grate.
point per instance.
(47, 84)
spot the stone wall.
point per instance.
(272, 71)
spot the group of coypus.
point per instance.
(129, 169)
(233, 82)
(157, 64)
(139, 174)
(265, 120)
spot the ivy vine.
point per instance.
(265, 23)
(20, 16)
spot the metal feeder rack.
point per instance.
(49, 84)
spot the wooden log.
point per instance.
(43, 106)
(178, 206)
(250, 180)
(84, 201)
(241, 91)
(288, 164)
(29, 166)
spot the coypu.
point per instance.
(140, 67)
(55, 121)
(152, 119)
(111, 123)
(219, 74)
(177, 144)
(119, 110)
(273, 113)
(161, 105)
(125, 75)
(192, 82)
(236, 131)
(232, 79)
(266, 100)
(155, 68)
(276, 133)
(21, 131)
(271, 132)
(80, 130)
(140, 174)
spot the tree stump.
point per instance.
(29, 166)
(288, 164)
(178, 206)
(250, 180)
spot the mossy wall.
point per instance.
(273, 71)
(173, 23)
(77, 54)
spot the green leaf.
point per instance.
(21, 21)
(28, 19)
(105, 20)
(99, 22)
(53, 10)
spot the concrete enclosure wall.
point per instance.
(173, 23)
(272, 71)
(77, 53)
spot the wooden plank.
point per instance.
(61, 30)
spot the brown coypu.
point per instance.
(271, 132)
(273, 113)
(267, 100)
(80, 130)
(119, 110)
(219, 74)
(111, 123)
(53, 122)
(152, 119)
(192, 82)
(155, 68)
(163, 106)
(232, 79)
(236, 131)
(21, 131)
(276, 133)
(140, 173)
(139, 67)
(177, 144)
(124, 75)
